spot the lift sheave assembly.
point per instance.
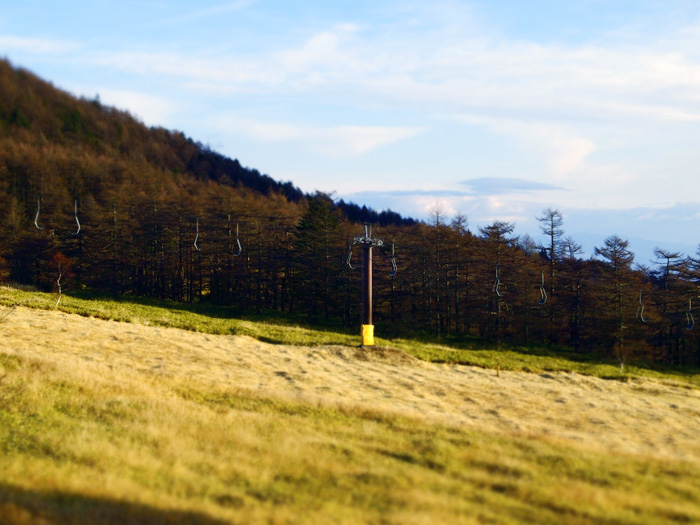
(367, 242)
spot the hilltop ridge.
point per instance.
(35, 115)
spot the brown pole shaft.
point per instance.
(367, 285)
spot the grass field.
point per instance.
(101, 424)
(278, 329)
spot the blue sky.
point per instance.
(494, 109)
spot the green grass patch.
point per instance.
(218, 320)
(539, 360)
(276, 328)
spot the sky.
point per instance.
(492, 109)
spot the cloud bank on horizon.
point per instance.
(498, 109)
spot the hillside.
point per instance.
(93, 200)
(644, 417)
(106, 422)
(34, 114)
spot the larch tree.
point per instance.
(551, 222)
(673, 300)
(315, 236)
(497, 237)
(618, 257)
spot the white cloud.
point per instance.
(362, 139)
(38, 46)
(418, 204)
(564, 152)
(485, 186)
(605, 117)
(567, 154)
(337, 141)
(392, 67)
(321, 59)
(151, 110)
(266, 131)
(321, 50)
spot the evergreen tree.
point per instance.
(316, 238)
(618, 258)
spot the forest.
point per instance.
(92, 199)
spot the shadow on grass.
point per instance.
(217, 311)
(461, 344)
(474, 351)
(29, 507)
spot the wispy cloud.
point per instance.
(603, 115)
(501, 186)
(326, 54)
(362, 139)
(419, 203)
(562, 147)
(481, 187)
(433, 194)
(151, 110)
(322, 59)
(332, 140)
(202, 71)
(470, 71)
(39, 46)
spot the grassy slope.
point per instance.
(76, 447)
(277, 329)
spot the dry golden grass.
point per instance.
(5, 313)
(110, 422)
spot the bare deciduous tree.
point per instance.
(62, 267)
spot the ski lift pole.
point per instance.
(367, 243)
(367, 324)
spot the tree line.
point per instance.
(266, 253)
(90, 198)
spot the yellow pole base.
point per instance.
(367, 335)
